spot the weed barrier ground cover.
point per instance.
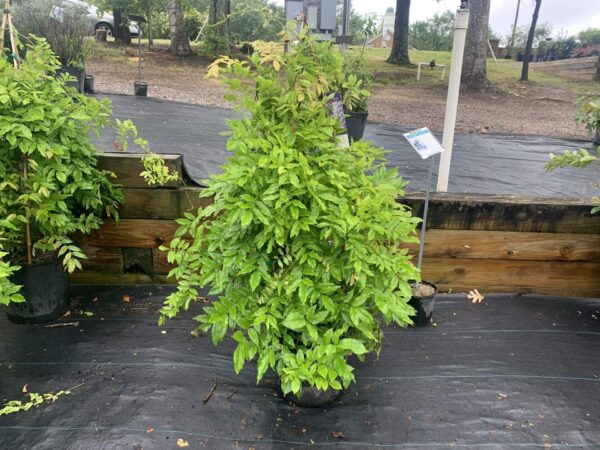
(481, 163)
(510, 372)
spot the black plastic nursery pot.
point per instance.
(140, 88)
(311, 397)
(45, 286)
(79, 74)
(423, 303)
(88, 85)
(356, 121)
(597, 138)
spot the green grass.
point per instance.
(505, 76)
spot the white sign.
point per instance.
(57, 13)
(424, 142)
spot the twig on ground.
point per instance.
(212, 390)
(63, 324)
(231, 394)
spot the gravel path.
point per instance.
(536, 109)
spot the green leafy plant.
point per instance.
(588, 114)
(35, 400)
(50, 186)
(577, 159)
(303, 241)
(356, 83)
(67, 37)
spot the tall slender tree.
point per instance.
(474, 70)
(180, 43)
(527, 57)
(399, 54)
(218, 37)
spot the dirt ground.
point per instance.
(529, 109)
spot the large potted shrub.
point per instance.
(49, 184)
(64, 25)
(302, 244)
(588, 115)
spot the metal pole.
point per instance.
(512, 39)
(345, 22)
(425, 209)
(139, 53)
(461, 24)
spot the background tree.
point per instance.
(474, 70)
(536, 13)
(435, 33)
(591, 36)
(218, 40)
(255, 19)
(399, 54)
(180, 44)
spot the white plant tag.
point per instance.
(424, 142)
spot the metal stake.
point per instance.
(425, 209)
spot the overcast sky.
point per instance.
(569, 15)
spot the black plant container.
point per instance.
(88, 85)
(356, 121)
(140, 88)
(311, 397)
(597, 138)
(423, 305)
(78, 74)
(45, 286)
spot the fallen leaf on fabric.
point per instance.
(502, 396)
(150, 430)
(24, 390)
(182, 443)
(475, 296)
(338, 435)
(88, 313)
(126, 298)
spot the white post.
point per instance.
(461, 23)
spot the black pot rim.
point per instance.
(356, 113)
(140, 83)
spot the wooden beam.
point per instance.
(510, 245)
(133, 233)
(128, 166)
(506, 213)
(90, 277)
(102, 259)
(544, 277)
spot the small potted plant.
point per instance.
(50, 186)
(303, 243)
(588, 115)
(64, 25)
(355, 88)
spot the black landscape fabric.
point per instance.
(482, 163)
(510, 372)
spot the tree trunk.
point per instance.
(217, 37)
(149, 21)
(536, 13)
(474, 70)
(121, 28)
(399, 54)
(180, 44)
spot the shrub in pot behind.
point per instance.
(49, 184)
(588, 115)
(355, 87)
(303, 242)
(68, 39)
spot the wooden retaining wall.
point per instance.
(580, 69)
(489, 242)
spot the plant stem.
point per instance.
(27, 227)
